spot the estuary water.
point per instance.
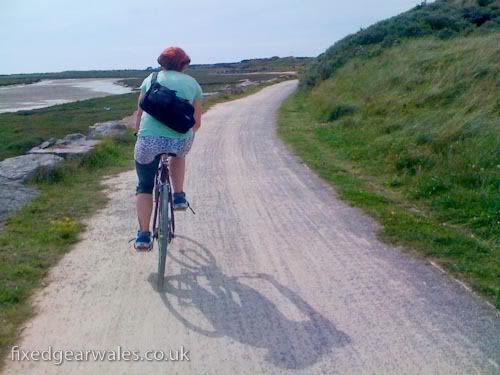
(56, 91)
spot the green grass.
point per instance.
(411, 135)
(40, 233)
(17, 81)
(36, 237)
(22, 130)
(212, 81)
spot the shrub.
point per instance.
(477, 16)
(483, 3)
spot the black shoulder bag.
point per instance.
(165, 106)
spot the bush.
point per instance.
(477, 16)
(483, 3)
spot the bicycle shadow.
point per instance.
(243, 313)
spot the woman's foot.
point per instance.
(180, 202)
(143, 241)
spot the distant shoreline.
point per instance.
(19, 82)
(49, 92)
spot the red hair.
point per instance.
(173, 58)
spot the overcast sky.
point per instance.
(56, 35)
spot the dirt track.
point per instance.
(272, 274)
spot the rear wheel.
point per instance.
(164, 231)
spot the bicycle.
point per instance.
(163, 219)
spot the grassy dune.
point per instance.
(412, 135)
(442, 19)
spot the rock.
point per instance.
(13, 196)
(235, 90)
(113, 129)
(49, 142)
(246, 82)
(75, 137)
(71, 138)
(24, 167)
(67, 149)
(73, 145)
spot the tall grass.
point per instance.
(421, 123)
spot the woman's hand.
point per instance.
(138, 115)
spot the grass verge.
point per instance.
(406, 221)
(411, 135)
(38, 235)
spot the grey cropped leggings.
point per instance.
(147, 155)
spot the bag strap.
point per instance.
(153, 81)
(153, 78)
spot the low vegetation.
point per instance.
(197, 70)
(215, 81)
(411, 134)
(271, 64)
(8, 81)
(26, 78)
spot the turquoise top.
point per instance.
(186, 87)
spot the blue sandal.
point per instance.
(143, 241)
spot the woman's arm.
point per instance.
(139, 114)
(197, 114)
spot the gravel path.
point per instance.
(273, 274)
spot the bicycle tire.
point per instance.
(164, 232)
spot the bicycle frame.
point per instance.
(162, 178)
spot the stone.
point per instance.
(49, 142)
(113, 129)
(75, 137)
(72, 138)
(24, 167)
(71, 146)
(235, 90)
(13, 196)
(67, 150)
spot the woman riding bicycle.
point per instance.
(154, 138)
